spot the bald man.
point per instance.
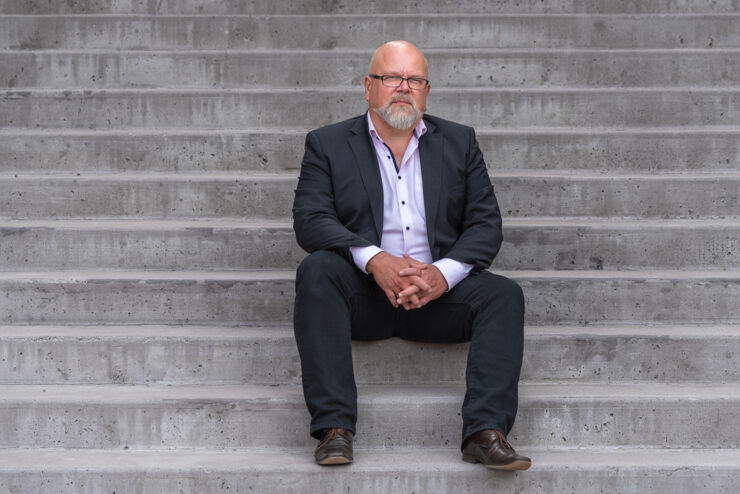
(398, 214)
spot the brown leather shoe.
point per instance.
(335, 447)
(491, 448)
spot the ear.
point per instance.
(367, 83)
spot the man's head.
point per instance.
(400, 107)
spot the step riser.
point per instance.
(274, 360)
(549, 301)
(278, 152)
(396, 478)
(215, 248)
(669, 197)
(266, 423)
(525, 247)
(367, 32)
(321, 69)
(155, 110)
(355, 6)
(167, 153)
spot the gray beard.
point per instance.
(399, 119)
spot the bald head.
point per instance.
(399, 54)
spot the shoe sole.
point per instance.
(513, 466)
(334, 460)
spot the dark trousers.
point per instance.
(335, 303)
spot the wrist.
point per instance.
(374, 260)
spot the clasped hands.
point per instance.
(406, 282)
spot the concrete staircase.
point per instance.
(148, 153)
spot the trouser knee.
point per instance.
(320, 266)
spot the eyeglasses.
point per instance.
(394, 81)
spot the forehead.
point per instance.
(399, 61)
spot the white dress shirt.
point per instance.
(404, 218)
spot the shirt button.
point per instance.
(403, 202)
(399, 177)
(408, 228)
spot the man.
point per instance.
(400, 218)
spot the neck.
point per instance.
(388, 133)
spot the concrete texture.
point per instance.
(65, 151)
(317, 68)
(361, 31)
(538, 194)
(631, 470)
(160, 340)
(529, 243)
(358, 6)
(158, 109)
(268, 355)
(552, 415)
(553, 297)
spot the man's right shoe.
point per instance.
(335, 447)
(491, 448)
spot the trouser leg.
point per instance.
(487, 310)
(334, 302)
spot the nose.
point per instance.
(404, 86)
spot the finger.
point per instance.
(413, 262)
(408, 291)
(423, 285)
(410, 272)
(391, 297)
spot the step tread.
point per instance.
(352, 91)
(508, 130)
(154, 331)
(288, 275)
(291, 395)
(411, 16)
(291, 175)
(144, 224)
(367, 460)
(367, 52)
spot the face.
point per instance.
(400, 107)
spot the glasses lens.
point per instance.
(417, 83)
(392, 80)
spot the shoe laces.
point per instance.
(502, 440)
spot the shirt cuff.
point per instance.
(362, 255)
(453, 271)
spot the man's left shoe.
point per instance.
(335, 447)
(491, 448)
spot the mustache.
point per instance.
(402, 97)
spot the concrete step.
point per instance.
(221, 7)
(268, 355)
(492, 107)
(624, 470)
(255, 297)
(529, 243)
(613, 150)
(239, 195)
(550, 415)
(316, 68)
(233, 32)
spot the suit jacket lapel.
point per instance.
(431, 153)
(367, 162)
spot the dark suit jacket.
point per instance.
(339, 198)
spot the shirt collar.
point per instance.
(419, 130)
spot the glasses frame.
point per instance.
(407, 79)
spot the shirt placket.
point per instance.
(404, 196)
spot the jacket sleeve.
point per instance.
(315, 220)
(480, 233)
